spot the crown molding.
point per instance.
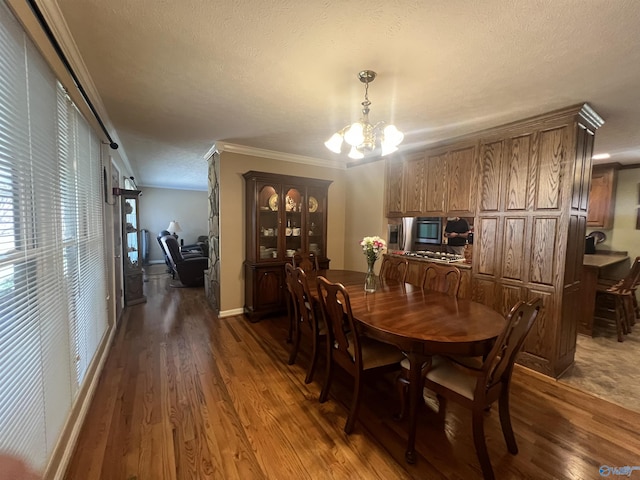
(284, 157)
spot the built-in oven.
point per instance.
(428, 230)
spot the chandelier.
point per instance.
(362, 135)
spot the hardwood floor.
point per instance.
(185, 395)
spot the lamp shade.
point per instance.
(174, 227)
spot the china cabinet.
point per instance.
(131, 242)
(285, 215)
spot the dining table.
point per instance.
(419, 322)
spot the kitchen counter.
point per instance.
(600, 260)
(594, 266)
(458, 263)
(416, 269)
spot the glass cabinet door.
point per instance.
(316, 221)
(267, 223)
(293, 220)
(132, 234)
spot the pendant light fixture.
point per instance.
(362, 135)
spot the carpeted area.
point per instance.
(607, 368)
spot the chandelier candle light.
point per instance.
(372, 247)
(362, 135)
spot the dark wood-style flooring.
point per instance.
(185, 395)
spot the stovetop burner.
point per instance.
(440, 256)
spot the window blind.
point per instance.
(53, 312)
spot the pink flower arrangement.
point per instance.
(373, 247)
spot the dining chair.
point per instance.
(306, 315)
(477, 388)
(347, 347)
(436, 277)
(620, 299)
(394, 268)
(292, 307)
(443, 278)
(306, 261)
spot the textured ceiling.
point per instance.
(177, 76)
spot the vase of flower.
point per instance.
(370, 280)
(372, 247)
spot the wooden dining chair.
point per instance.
(292, 308)
(306, 261)
(477, 388)
(620, 299)
(308, 319)
(439, 278)
(394, 268)
(443, 278)
(355, 353)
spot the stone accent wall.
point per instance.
(213, 277)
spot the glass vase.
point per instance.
(370, 281)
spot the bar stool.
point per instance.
(620, 299)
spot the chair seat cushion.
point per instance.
(471, 362)
(376, 354)
(449, 375)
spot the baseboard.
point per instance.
(65, 446)
(230, 313)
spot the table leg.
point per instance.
(416, 361)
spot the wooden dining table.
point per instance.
(421, 323)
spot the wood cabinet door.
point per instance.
(436, 184)
(268, 288)
(602, 197)
(461, 180)
(394, 192)
(414, 176)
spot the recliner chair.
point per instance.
(190, 269)
(166, 257)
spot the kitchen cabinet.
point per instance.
(416, 269)
(602, 196)
(433, 183)
(436, 183)
(394, 192)
(131, 242)
(414, 178)
(285, 215)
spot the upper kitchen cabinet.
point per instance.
(394, 193)
(414, 191)
(602, 196)
(461, 181)
(436, 184)
(433, 183)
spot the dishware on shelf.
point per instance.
(313, 204)
(273, 202)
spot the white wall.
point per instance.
(365, 216)
(158, 206)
